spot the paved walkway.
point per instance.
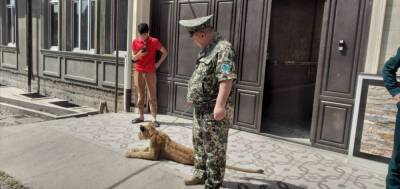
(88, 153)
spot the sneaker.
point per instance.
(137, 120)
(156, 124)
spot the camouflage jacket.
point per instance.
(214, 64)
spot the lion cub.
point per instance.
(162, 147)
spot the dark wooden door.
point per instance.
(252, 58)
(339, 64)
(243, 22)
(173, 75)
(185, 51)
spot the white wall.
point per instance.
(141, 13)
(391, 32)
(384, 34)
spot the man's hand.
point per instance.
(164, 54)
(397, 98)
(139, 54)
(223, 93)
(219, 112)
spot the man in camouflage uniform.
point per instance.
(209, 90)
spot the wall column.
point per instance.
(372, 60)
(375, 37)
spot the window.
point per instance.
(10, 23)
(84, 24)
(122, 27)
(53, 24)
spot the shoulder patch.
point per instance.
(226, 68)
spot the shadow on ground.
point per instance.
(188, 125)
(266, 185)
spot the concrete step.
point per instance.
(52, 107)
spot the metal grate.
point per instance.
(64, 104)
(33, 95)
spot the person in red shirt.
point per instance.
(144, 50)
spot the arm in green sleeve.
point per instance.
(389, 74)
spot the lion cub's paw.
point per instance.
(127, 154)
(130, 151)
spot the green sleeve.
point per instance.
(225, 68)
(389, 74)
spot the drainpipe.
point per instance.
(116, 28)
(29, 43)
(128, 60)
(37, 58)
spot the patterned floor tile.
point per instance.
(286, 165)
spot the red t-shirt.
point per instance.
(146, 63)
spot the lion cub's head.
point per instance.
(146, 131)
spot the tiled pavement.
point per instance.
(286, 165)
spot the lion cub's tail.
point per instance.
(245, 169)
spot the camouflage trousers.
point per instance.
(210, 138)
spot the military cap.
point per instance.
(196, 24)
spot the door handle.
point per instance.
(342, 45)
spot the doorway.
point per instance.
(290, 75)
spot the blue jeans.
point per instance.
(393, 177)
